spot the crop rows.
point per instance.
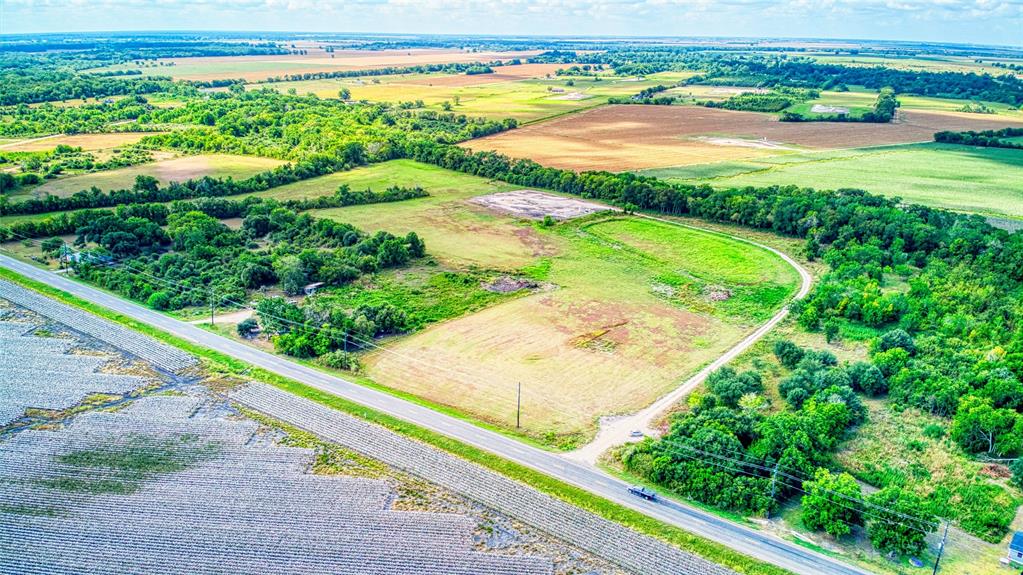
(604, 538)
(243, 507)
(36, 373)
(158, 354)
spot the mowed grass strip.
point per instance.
(220, 363)
(960, 178)
(174, 170)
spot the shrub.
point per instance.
(247, 327)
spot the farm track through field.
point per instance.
(617, 431)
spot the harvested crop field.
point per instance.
(86, 142)
(176, 170)
(535, 205)
(636, 137)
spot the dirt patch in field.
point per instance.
(573, 96)
(628, 137)
(536, 205)
(508, 284)
(822, 109)
(761, 144)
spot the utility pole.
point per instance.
(941, 548)
(518, 407)
(212, 306)
(774, 483)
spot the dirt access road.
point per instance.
(618, 431)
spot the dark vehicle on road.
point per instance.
(643, 492)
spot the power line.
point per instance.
(774, 470)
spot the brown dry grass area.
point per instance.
(502, 74)
(84, 141)
(638, 137)
(575, 357)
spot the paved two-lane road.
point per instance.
(743, 539)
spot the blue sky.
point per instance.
(977, 21)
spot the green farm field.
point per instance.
(620, 311)
(173, 170)
(525, 100)
(961, 178)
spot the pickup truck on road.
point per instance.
(643, 492)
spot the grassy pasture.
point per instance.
(622, 327)
(175, 170)
(623, 313)
(961, 178)
(499, 95)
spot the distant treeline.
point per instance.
(456, 68)
(32, 85)
(987, 138)
(724, 66)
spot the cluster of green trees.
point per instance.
(751, 102)
(197, 260)
(646, 96)
(24, 120)
(291, 127)
(328, 333)
(32, 84)
(986, 138)
(577, 70)
(727, 450)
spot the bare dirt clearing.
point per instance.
(535, 205)
(628, 137)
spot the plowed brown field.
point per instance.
(637, 137)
